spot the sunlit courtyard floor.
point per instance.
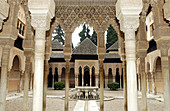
(56, 103)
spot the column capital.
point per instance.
(4, 9)
(167, 10)
(128, 16)
(41, 13)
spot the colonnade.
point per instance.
(129, 22)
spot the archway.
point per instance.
(14, 76)
(72, 78)
(158, 76)
(86, 76)
(50, 78)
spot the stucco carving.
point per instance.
(4, 9)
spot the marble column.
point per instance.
(129, 22)
(46, 71)
(101, 55)
(26, 81)
(67, 57)
(106, 81)
(82, 77)
(120, 82)
(59, 74)
(97, 80)
(166, 77)
(131, 70)
(76, 80)
(125, 84)
(90, 77)
(53, 79)
(67, 86)
(139, 82)
(21, 81)
(143, 82)
(153, 83)
(114, 78)
(31, 81)
(4, 71)
(59, 78)
(147, 83)
(7, 81)
(40, 20)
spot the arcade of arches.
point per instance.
(26, 62)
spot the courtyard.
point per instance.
(55, 101)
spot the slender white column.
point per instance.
(120, 82)
(21, 81)
(114, 80)
(106, 81)
(31, 81)
(26, 83)
(59, 78)
(153, 83)
(97, 80)
(40, 20)
(139, 82)
(130, 48)
(82, 77)
(90, 77)
(166, 77)
(128, 16)
(147, 82)
(39, 70)
(4, 72)
(76, 79)
(53, 73)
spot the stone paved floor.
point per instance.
(57, 104)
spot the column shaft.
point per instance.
(114, 80)
(90, 79)
(97, 80)
(101, 85)
(21, 81)
(83, 77)
(26, 85)
(120, 82)
(139, 82)
(67, 86)
(143, 82)
(53, 79)
(130, 47)
(148, 83)
(106, 81)
(46, 70)
(59, 78)
(4, 71)
(153, 83)
(165, 72)
(39, 70)
(125, 85)
(31, 81)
